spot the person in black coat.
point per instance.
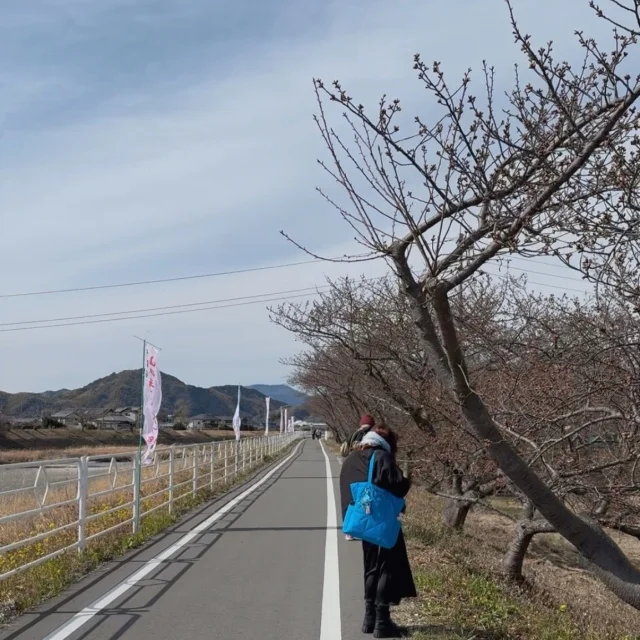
(387, 572)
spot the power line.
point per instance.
(153, 315)
(542, 273)
(158, 281)
(137, 283)
(152, 310)
(181, 308)
(226, 273)
(165, 308)
(541, 284)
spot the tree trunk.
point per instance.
(457, 507)
(602, 554)
(455, 513)
(516, 552)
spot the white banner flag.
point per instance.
(152, 398)
(281, 420)
(266, 430)
(286, 419)
(236, 418)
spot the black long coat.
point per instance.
(387, 572)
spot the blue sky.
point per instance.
(158, 138)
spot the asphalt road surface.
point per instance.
(267, 561)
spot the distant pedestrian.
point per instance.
(366, 422)
(387, 572)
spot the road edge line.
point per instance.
(331, 619)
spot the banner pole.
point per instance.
(141, 424)
(266, 427)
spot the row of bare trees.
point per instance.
(504, 391)
(560, 378)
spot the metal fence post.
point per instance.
(244, 455)
(235, 473)
(136, 493)
(226, 462)
(83, 492)
(195, 469)
(213, 465)
(172, 460)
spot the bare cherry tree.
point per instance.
(363, 344)
(565, 397)
(488, 177)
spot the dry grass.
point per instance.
(26, 589)
(30, 455)
(463, 595)
(53, 452)
(332, 446)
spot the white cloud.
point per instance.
(185, 176)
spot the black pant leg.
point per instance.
(371, 573)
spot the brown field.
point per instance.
(463, 595)
(25, 445)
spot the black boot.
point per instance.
(385, 627)
(369, 617)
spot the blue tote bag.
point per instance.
(373, 513)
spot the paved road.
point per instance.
(265, 562)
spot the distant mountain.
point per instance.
(123, 389)
(281, 392)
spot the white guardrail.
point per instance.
(48, 507)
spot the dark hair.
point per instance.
(388, 434)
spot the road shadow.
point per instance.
(177, 566)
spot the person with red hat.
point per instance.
(367, 422)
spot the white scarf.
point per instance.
(372, 438)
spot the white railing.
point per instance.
(50, 507)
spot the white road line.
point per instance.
(82, 617)
(331, 622)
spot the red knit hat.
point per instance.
(367, 420)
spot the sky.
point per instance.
(151, 139)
